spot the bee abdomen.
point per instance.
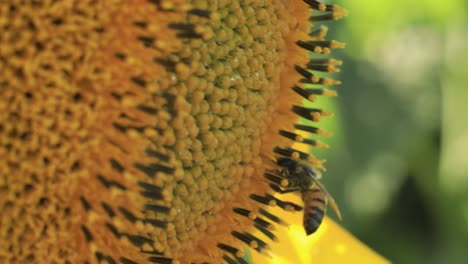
(314, 210)
(313, 217)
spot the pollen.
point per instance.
(137, 132)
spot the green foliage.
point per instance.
(398, 163)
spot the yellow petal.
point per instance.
(330, 244)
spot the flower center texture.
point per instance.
(139, 131)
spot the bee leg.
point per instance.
(277, 189)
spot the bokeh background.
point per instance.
(398, 162)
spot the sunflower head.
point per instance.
(141, 131)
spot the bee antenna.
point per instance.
(269, 159)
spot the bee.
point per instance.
(302, 177)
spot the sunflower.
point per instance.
(139, 131)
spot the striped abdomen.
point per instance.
(315, 203)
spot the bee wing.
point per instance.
(333, 204)
(312, 172)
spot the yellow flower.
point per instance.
(136, 131)
(330, 244)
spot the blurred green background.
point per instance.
(398, 162)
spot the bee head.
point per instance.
(286, 162)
